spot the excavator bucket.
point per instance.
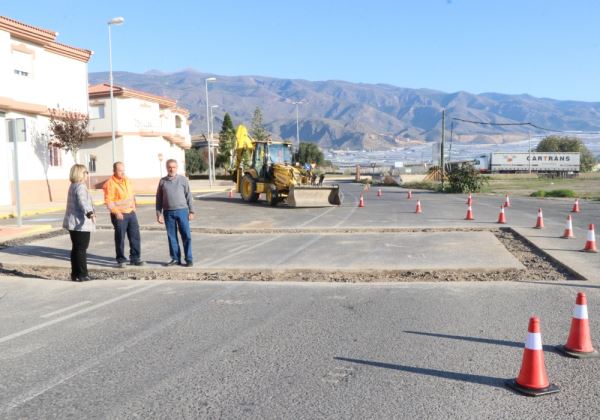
(314, 196)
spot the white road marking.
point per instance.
(74, 314)
(68, 308)
(131, 286)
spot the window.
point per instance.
(177, 121)
(92, 164)
(22, 63)
(16, 128)
(55, 155)
(96, 111)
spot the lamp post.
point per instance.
(114, 21)
(212, 138)
(297, 123)
(208, 79)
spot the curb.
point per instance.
(25, 232)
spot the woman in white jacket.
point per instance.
(80, 220)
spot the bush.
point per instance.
(554, 193)
(466, 179)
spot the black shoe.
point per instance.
(122, 264)
(75, 278)
(85, 278)
(138, 263)
(172, 262)
(189, 264)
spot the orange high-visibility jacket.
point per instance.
(118, 195)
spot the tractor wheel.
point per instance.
(272, 196)
(248, 190)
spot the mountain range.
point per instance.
(343, 115)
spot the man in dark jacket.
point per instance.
(174, 208)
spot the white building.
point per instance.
(149, 129)
(36, 74)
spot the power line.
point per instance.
(530, 124)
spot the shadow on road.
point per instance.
(507, 343)
(56, 254)
(455, 376)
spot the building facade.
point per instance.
(37, 74)
(149, 130)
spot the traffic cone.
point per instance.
(532, 379)
(569, 229)
(230, 194)
(361, 202)
(539, 224)
(379, 193)
(409, 195)
(590, 244)
(502, 216)
(575, 208)
(579, 343)
(469, 214)
(418, 209)
(507, 201)
(470, 200)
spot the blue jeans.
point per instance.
(178, 220)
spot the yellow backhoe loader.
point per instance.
(270, 171)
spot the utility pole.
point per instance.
(442, 146)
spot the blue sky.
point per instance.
(545, 48)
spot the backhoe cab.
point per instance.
(270, 171)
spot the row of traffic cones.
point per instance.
(533, 378)
(361, 204)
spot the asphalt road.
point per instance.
(127, 349)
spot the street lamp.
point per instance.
(114, 21)
(297, 123)
(212, 138)
(208, 79)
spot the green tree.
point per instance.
(226, 143)
(563, 144)
(309, 152)
(259, 132)
(194, 161)
(466, 179)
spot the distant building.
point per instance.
(36, 74)
(149, 130)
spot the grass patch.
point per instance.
(554, 193)
(422, 185)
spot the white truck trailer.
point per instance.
(547, 162)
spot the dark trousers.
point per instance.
(178, 220)
(80, 242)
(128, 226)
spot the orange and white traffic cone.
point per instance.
(507, 201)
(470, 200)
(568, 234)
(590, 243)
(379, 193)
(409, 195)
(469, 214)
(230, 194)
(579, 343)
(575, 208)
(361, 202)
(418, 209)
(502, 216)
(533, 379)
(539, 224)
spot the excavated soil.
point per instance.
(538, 266)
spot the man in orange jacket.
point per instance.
(120, 200)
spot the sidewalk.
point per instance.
(143, 197)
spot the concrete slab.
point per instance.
(328, 252)
(566, 251)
